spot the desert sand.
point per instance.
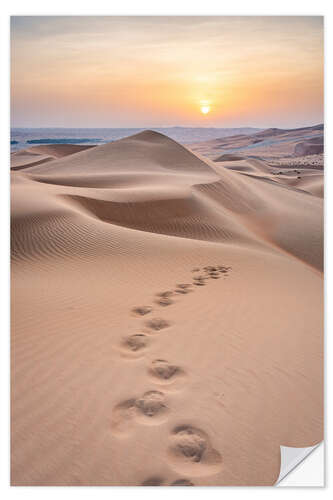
(166, 314)
(271, 144)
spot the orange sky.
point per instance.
(157, 71)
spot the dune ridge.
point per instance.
(165, 308)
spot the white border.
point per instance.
(133, 7)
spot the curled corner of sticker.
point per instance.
(291, 457)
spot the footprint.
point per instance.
(163, 372)
(159, 481)
(152, 403)
(134, 345)
(191, 452)
(214, 275)
(122, 416)
(200, 278)
(183, 288)
(210, 268)
(212, 272)
(142, 310)
(166, 294)
(184, 291)
(157, 324)
(182, 482)
(136, 342)
(190, 444)
(149, 409)
(153, 481)
(164, 301)
(224, 269)
(199, 282)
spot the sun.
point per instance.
(205, 109)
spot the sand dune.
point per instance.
(37, 155)
(271, 144)
(166, 315)
(309, 148)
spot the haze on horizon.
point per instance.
(166, 71)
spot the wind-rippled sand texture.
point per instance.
(166, 316)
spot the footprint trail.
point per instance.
(190, 450)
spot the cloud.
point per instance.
(167, 63)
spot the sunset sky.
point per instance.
(164, 71)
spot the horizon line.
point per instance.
(168, 127)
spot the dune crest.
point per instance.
(151, 183)
(165, 310)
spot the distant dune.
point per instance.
(270, 144)
(309, 148)
(40, 154)
(22, 138)
(229, 157)
(166, 313)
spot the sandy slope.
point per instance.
(115, 381)
(37, 155)
(273, 144)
